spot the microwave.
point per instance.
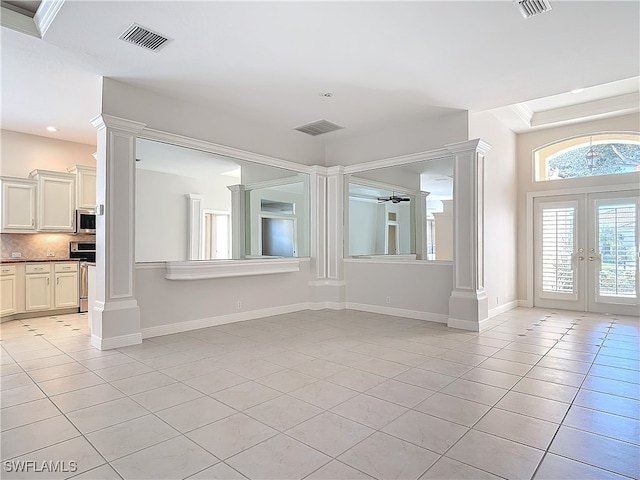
(85, 221)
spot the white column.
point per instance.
(238, 221)
(327, 288)
(468, 304)
(421, 225)
(115, 312)
(194, 227)
(318, 222)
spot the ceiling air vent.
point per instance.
(144, 37)
(318, 128)
(529, 8)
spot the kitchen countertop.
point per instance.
(37, 260)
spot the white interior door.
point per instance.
(586, 252)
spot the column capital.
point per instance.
(236, 188)
(335, 170)
(476, 145)
(104, 121)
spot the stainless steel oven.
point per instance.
(86, 253)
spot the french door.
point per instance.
(586, 252)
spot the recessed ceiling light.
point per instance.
(577, 90)
(53, 129)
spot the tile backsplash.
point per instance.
(35, 246)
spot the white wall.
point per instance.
(195, 121)
(416, 289)
(500, 208)
(363, 222)
(20, 153)
(528, 142)
(405, 139)
(162, 214)
(198, 303)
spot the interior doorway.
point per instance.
(215, 233)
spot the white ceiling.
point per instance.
(385, 62)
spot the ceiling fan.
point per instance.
(393, 199)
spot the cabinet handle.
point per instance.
(47, 281)
(58, 281)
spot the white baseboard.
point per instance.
(469, 325)
(188, 325)
(503, 308)
(398, 312)
(325, 305)
(524, 304)
(116, 342)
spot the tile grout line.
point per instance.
(569, 409)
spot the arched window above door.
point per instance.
(606, 153)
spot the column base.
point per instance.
(468, 310)
(115, 324)
(327, 294)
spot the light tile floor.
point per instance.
(327, 395)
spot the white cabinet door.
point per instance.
(7, 294)
(66, 290)
(38, 291)
(18, 205)
(85, 186)
(56, 201)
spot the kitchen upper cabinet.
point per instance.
(8, 289)
(56, 200)
(18, 205)
(85, 186)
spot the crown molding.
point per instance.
(217, 149)
(617, 105)
(18, 22)
(104, 120)
(523, 112)
(400, 160)
(45, 15)
(475, 145)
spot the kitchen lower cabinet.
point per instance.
(37, 286)
(8, 289)
(51, 286)
(65, 293)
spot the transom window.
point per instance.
(589, 155)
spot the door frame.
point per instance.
(530, 223)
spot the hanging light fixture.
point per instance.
(591, 156)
